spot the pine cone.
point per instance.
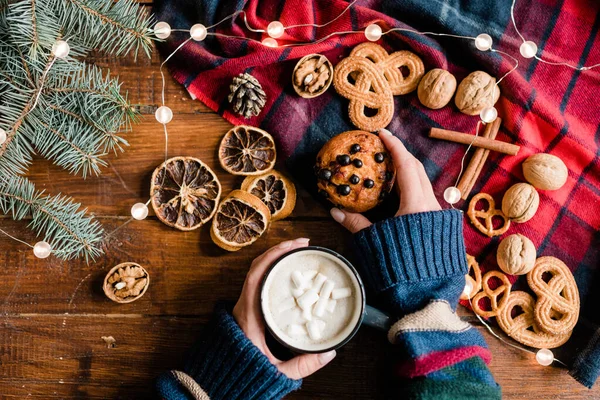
(247, 95)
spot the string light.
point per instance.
(488, 114)
(162, 30)
(275, 29)
(373, 32)
(483, 42)
(198, 32)
(452, 195)
(139, 211)
(61, 49)
(2, 136)
(269, 42)
(42, 249)
(163, 114)
(544, 357)
(528, 49)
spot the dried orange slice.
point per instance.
(246, 150)
(275, 190)
(185, 193)
(241, 219)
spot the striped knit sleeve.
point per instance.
(415, 267)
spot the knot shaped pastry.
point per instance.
(484, 219)
(557, 306)
(498, 296)
(389, 65)
(522, 326)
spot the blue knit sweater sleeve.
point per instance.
(415, 267)
(225, 364)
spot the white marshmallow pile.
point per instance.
(313, 295)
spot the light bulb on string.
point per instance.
(162, 30)
(198, 32)
(452, 195)
(483, 42)
(42, 249)
(163, 114)
(544, 357)
(275, 29)
(528, 49)
(269, 42)
(139, 211)
(61, 49)
(488, 114)
(3, 136)
(373, 32)
(468, 289)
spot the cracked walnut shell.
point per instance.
(475, 92)
(312, 76)
(126, 282)
(436, 88)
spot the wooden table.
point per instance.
(53, 313)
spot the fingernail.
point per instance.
(337, 215)
(285, 245)
(325, 358)
(302, 240)
(385, 132)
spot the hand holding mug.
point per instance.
(412, 183)
(247, 314)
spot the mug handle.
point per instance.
(377, 319)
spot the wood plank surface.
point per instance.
(53, 314)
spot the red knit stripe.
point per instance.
(441, 359)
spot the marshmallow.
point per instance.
(315, 329)
(326, 290)
(331, 305)
(307, 314)
(318, 282)
(300, 281)
(296, 330)
(341, 293)
(297, 292)
(286, 305)
(308, 299)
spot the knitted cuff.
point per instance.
(227, 365)
(414, 258)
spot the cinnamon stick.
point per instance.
(478, 160)
(484, 142)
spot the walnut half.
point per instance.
(312, 75)
(126, 282)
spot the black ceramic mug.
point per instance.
(344, 316)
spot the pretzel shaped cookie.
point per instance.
(523, 327)
(389, 65)
(475, 280)
(557, 306)
(487, 215)
(492, 294)
(370, 90)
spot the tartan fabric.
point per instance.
(544, 108)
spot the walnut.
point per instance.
(545, 171)
(516, 255)
(520, 202)
(126, 282)
(436, 88)
(312, 75)
(475, 93)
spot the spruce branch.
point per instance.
(58, 219)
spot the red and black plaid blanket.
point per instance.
(545, 108)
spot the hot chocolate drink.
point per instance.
(312, 300)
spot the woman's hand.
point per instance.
(412, 183)
(248, 315)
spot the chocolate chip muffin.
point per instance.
(354, 171)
